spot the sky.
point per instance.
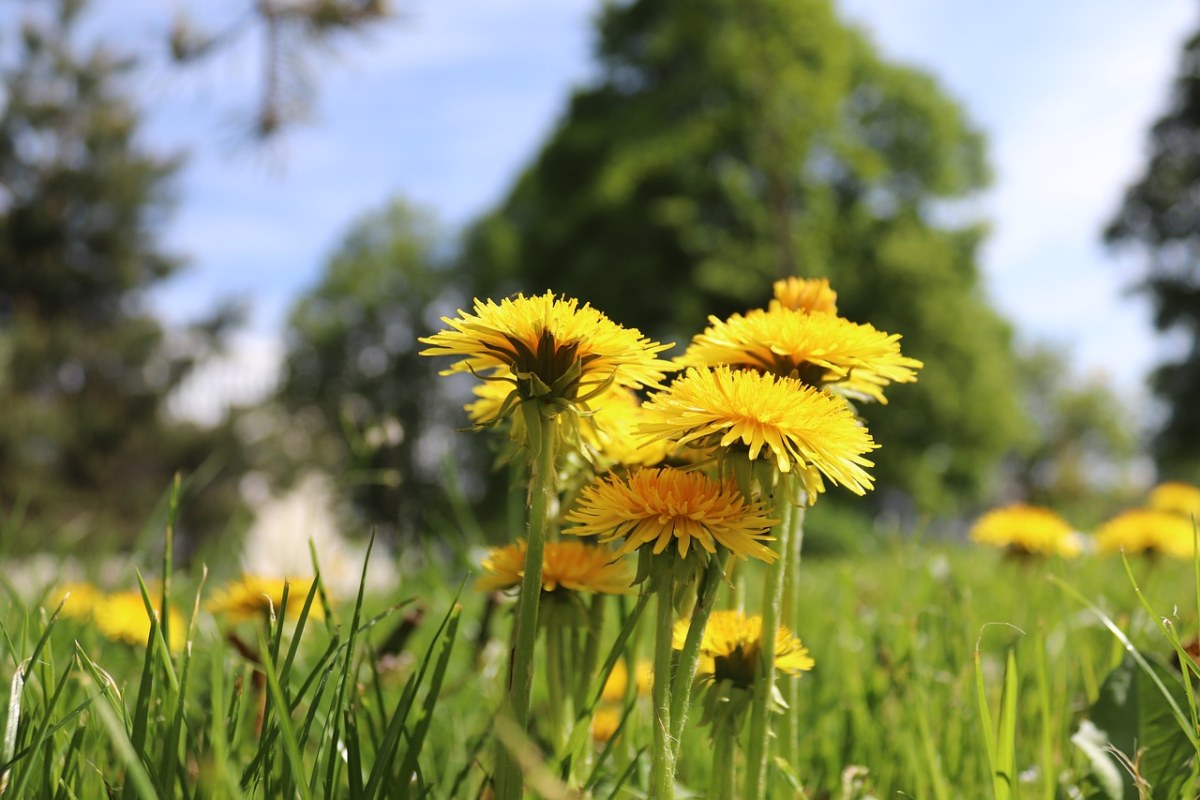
(447, 103)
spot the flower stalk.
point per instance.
(756, 746)
(541, 494)
(689, 656)
(662, 764)
(789, 729)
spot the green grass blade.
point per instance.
(417, 740)
(290, 746)
(12, 723)
(135, 771)
(1004, 778)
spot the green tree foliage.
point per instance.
(1160, 216)
(84, 369)
(1082, 443)
(352, 370)
(728, 143)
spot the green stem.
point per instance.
(591, 649)
(556, 684)
(756, 746)
(689, 656)
(662, 765)
(722, 774)
(789, 728)
(520, 690)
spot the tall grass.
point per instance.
(942, 672)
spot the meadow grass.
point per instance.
(395, 694)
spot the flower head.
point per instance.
(1027, 529)
(661, 507)
(78, 600)
(1147, 530)
(812, 295)
(731, 647)
(822, 350)
(122, 617)
(252, 597)
(605, 429)
(571, 564)
(1177, 498)
(605, 722)
(548, 348)
(781, 419)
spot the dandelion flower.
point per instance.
(661, 507)
(122, 617)
(78, 600)
(605, 431)
(1027, 529)
(571, 564)
(822, 350)
(253, 597)
(1177, 498)
(553, 349)
(1147, 530)
(604, 724)
(781, 419)
(732, 644)
(812, 295)
(618, 680)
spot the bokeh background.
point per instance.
(224, 224)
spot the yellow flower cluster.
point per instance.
(1025, 529)
(254, 597)
(571, 565)
(119, 616)
(731, 645)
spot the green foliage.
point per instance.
(84, 368)
(1159, 217)
(1081, 443)
(727, 144)
(353, 371)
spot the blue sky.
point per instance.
(446, 104)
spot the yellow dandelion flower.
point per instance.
(571, 564)
(812, 295)
(554, 349)
(618, 681)
(1147, 530)
(604, 724)
(658, 507)
(253, 596)
(122, 617)
(78, 600)
(606, 430)
(1027, 529)
(781, 419)
(731, 646)
(1178, 498)
(644, 675)
(821, 350)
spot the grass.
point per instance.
(942, 672)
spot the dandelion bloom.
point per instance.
(731, 646)
(78, 600)
(553, 349)
(812, 295)
(618, 681)
(822, 350)
(1178, 498)
(658, 507)
(570, 564)
(1147, 530)
(606, 431)
(122, 617)
(1027, 529)
(254, 596)
(782, 419)
(604, 724)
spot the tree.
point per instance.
(352, 359)
(84, 369)
(728, 143)
(1160, 217)
(1083, 446)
